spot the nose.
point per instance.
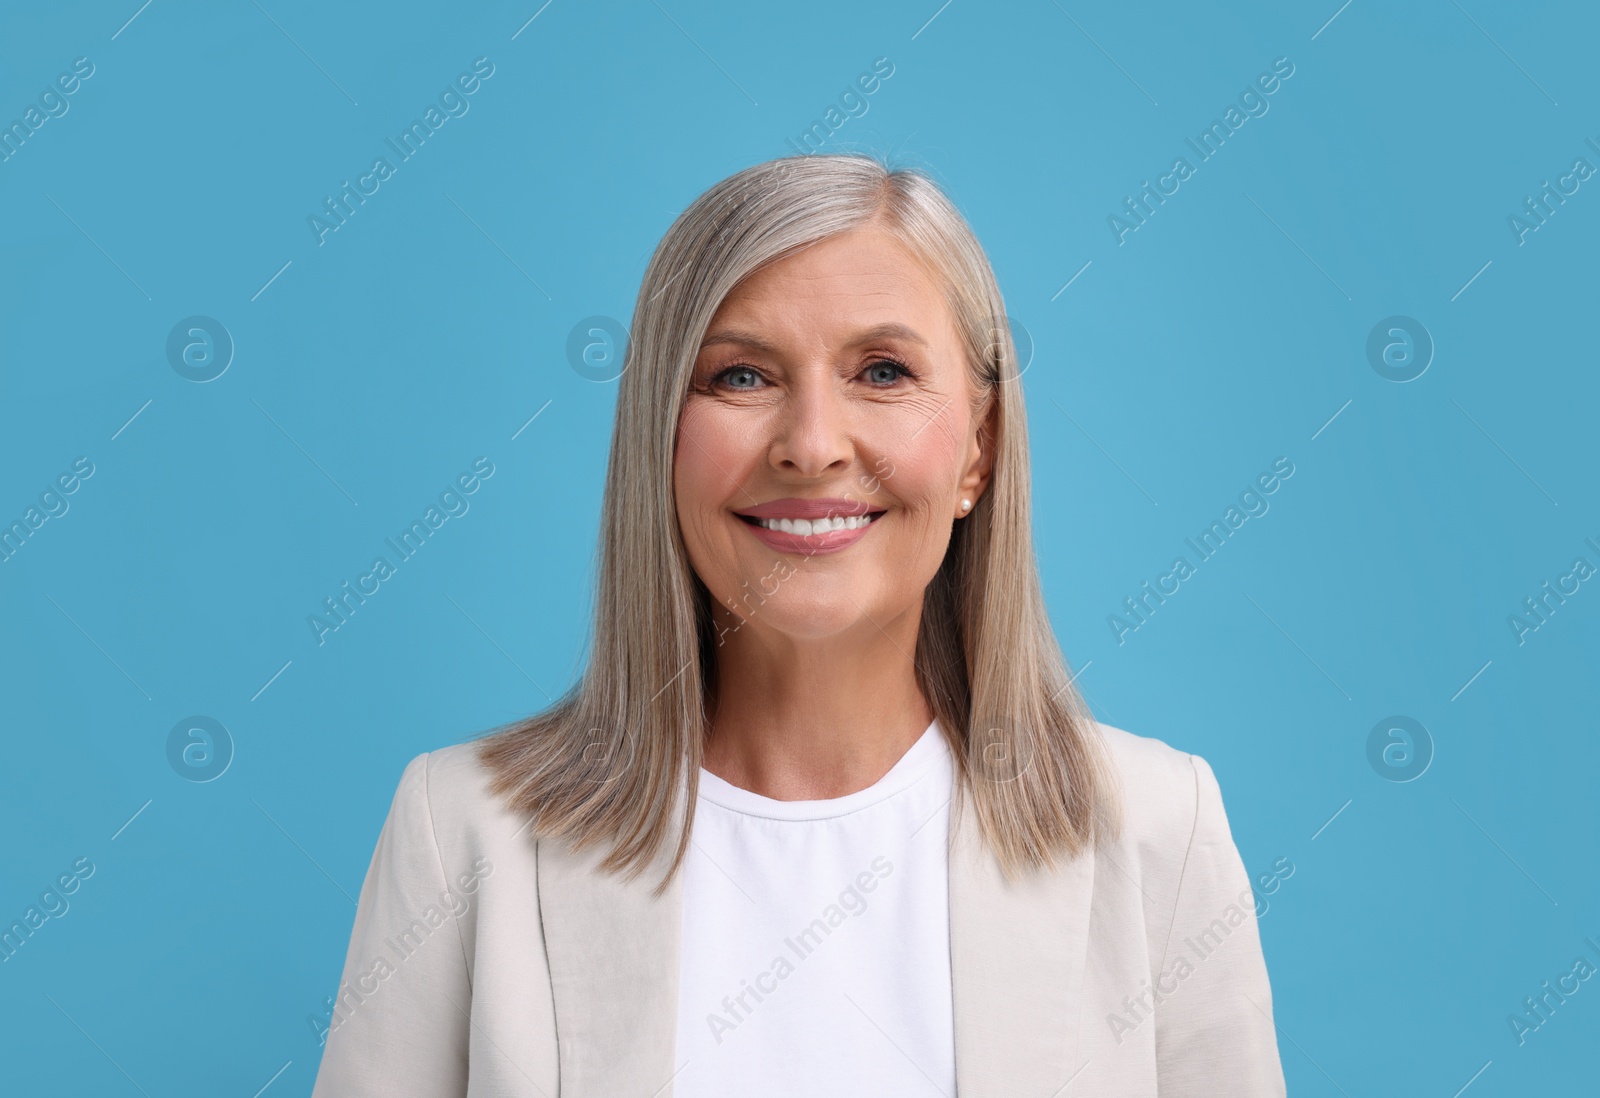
(811, 433)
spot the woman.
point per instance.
(824, 814)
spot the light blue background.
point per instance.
(376, 366)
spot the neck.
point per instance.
(814, 718)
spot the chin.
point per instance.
(801, 618)
(832, 612)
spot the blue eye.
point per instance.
(882, 373)
(886, 371)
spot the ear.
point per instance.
(980, 457)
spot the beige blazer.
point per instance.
(486, 964)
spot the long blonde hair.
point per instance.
(608, 760)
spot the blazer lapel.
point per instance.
(613, 954)
(1017, 956)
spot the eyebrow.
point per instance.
(743, 338)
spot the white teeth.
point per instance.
(816, 526)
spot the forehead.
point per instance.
(862, 278)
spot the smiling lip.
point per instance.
(809, 544)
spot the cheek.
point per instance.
(925, 463)
(708, 466)
(707, 461)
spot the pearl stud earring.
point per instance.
(966, 505)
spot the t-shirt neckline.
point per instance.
(905, 772)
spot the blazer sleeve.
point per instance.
(1214, 1027)
(400, 1025)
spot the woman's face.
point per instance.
(831, 388)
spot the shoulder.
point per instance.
(454, 775)
(445, 795)
(1170, 802)
(1158, 783)
(1176, 864)
(1174, 840)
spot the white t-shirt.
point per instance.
(815, 952)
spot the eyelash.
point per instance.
(904, 369)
